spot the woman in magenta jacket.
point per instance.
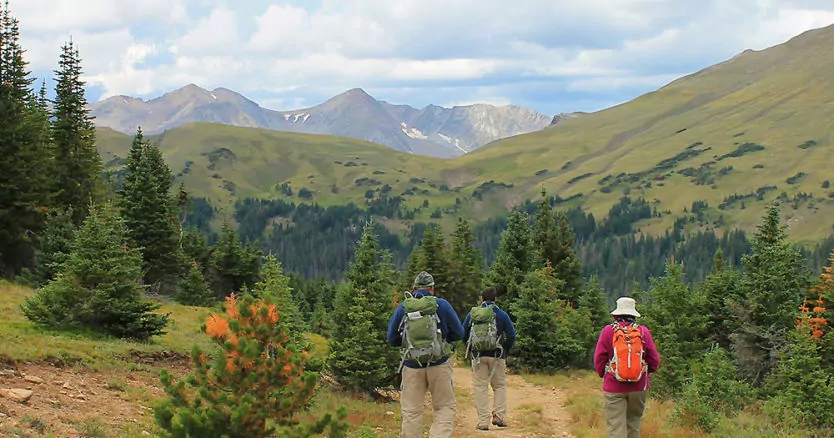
(624, 401)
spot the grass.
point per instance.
(584, 404)
(24, 341)
(777, 98)
(129, 373)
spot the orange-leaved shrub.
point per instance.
(254, 386)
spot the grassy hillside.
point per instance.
(92, 386)
(739, 133)
(224, 162)
(769, 110)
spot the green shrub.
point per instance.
(714, 391)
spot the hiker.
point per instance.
(424, 326)
(625, 356)
(490, 335)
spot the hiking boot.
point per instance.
(482, 427)
(497, 421)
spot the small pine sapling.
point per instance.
(254, 386)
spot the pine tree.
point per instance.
(150, 213)
(435, 260)
(801, 387)
(98, 285)
(233, 266)
(195, 247)
(275, 283)
(359, 355)
(194, 290)
(356, 357)
(412, 268)
(676, 317)
(565, 263)
(466, 276)
(515, 258)
(595, 301)
(55, 247)
(550, 333)
(555, 246)
(79, 167)
(721, 291)
(24, 154)
(544, 233)
(774, 282)
(254, 388)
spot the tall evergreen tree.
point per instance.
(554, 241)
(566, 264)
(24, 154)
(412, 268)
(232, 265)
(544, 233)
(550, 333)
(675, 314)
(434, 259)
(276, 284)
(98, 286)
(515, 257)
(721, 289)
(466, 276)
(774, 283)
(360, 357)
(79, 167)
(55, 247)
(150, 213)
(595, 301)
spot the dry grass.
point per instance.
(584, 404)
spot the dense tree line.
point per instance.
(317, 241)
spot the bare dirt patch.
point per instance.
(533, 411)
(77, 402)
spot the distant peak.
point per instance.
(353, 95)
(190, 88)
(358, 91)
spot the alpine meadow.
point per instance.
(211, 280)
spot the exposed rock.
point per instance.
(17, 395)
(32, 379)
(433, 130)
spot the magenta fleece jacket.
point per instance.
(605, 351)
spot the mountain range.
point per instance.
(710, 149)
(434, 130)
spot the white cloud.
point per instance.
(127, 76)
(535, 52)
(215, 34)
(63, 16)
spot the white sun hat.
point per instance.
(626, 306)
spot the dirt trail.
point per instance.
(533, 411)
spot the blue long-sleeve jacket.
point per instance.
(450, 326)
(504, 325)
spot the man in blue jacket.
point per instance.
(436, 377)
(489, 366)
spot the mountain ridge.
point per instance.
(433, 130)
(708, 150)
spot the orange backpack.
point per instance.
(628, 363)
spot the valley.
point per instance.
(737, 135)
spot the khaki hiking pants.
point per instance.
(623, 413)
(481, 382)
(438, 380)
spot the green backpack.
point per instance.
(422, 339)
(483, 332)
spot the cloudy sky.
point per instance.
(549, 55)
